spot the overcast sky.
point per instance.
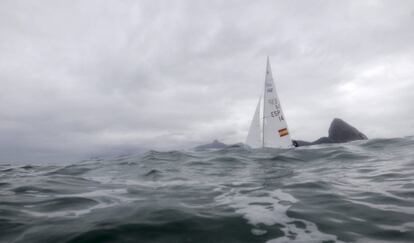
(86, 77)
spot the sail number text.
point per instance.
(278, 111)
(277, 114)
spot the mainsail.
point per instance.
(254, 137)
(275, 133)
(275, 130)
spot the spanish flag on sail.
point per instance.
(283, 132)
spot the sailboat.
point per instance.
(269, 128)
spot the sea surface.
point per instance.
(356, 192)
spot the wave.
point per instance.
(356, 192)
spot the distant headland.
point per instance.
(339, 132)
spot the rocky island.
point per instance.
(339, 132)
(214, 145)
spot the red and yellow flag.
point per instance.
(283, 132)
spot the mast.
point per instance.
(264, 100)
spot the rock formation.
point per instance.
(339, 132)
(342, 132)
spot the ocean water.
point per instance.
(356, 192)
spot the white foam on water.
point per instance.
(218, 189)
(256, 209)
(258, 231)
(152, 184)
(384, 207)
(112, 197)
(7, 193)
(66, 213)
(238, 183)
(365, 240)
(259, 206)
(157, 184)
(401, 228)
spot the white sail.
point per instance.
(275, 130)
(254, 137)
